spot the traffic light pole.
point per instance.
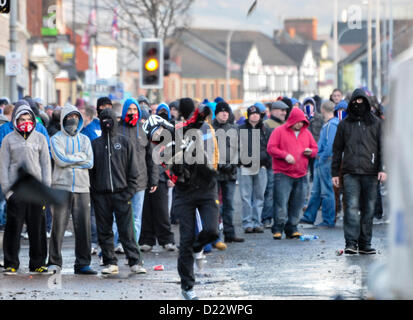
(13, 47)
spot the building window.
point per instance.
(185, 90)
(194, 90)
(204, 91)
(212, 91)
(222, 90)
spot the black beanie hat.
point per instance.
(288, 102)
(222, 106)
(102, 101)
(186, 107)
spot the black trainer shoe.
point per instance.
(249, 230)
(234, 239)
(350, 250)
(258, 230)
(87, 270)
(367, 250)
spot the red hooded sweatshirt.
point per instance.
(283, 141)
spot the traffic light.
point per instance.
(167, 62)
(151, 64)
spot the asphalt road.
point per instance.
(260, 268)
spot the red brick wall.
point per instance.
(82, 58)
(307, 28)
(34, 17)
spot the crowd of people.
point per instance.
(309, 155)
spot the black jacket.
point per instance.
(227, 171)
(148, 171)
(115, 168)
(358, 142)
(265, 159)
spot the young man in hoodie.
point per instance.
(290, 146)
(278, 113)
(253, 182)
(358, 146)
(148, 176)
(155, 216)
(24, 147)
(93, 131)
(322, 193)
(73, 156)
(227, 167)
(114, 180)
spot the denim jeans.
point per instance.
(289, 197)
(322, 194)
(227, 209)
(137, 207)
(2, 209)
(267, 211)
(360, 194)
(93, 229)
(252, 188)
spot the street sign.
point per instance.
(90, 77)
(13, 63)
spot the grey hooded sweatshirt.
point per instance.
(73, 156)
(31, 153)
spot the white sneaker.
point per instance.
(189, 295)
(199, 259)
(137, 268)
(170, 247)
(119, 249)
(146, 248)
(54, 269)
(68, 234)
(111, 269)
(94, 250)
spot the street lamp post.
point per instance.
(335, 32)
(228, 69)
(13, 47)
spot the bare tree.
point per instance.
(164, 19)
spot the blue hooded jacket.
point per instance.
(164, 106)
(92, 130)
(125, 108)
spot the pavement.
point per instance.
(260, 269)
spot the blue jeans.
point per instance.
(227, 209)
(137, 207)
(2, 209)
(360, 193)
(289, 197)
(252, 188)
(267, 211)
(93, 229)
(322, 194)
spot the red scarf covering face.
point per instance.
(26, 126)
(132, 119)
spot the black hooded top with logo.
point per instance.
(358, 141)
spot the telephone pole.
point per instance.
(13, 47)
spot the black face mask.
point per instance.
(359, 109)
(163, 115)
(107, 124)
(71, 126)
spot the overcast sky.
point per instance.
(269, 14)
